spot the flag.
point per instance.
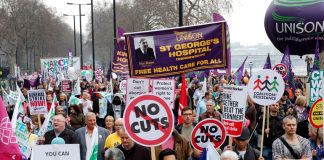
(238, 74)
(209, 153)
(183, 98)
(316, 57)
(47, 125)
(290, 74)
(35, 82)
(77, 89)
(267, 64)
(8, 141)
(18, 109)
(22, 97)
(217, 17)
(120, 32)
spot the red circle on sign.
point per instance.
(201, 123)
(284, 72)
(311, 114)
(166, 132)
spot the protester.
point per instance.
(167, 154)
(316, 142)
(59, 131)
(201, 106)
(63, 101)
(302, 116)
(76, 117)
(100, 107)
(113, 140)
(86, 102)
(89, 137)
(132, 150)
(187, 126)
(273, 132)
(242, 147)
(229, 155)
(299, 146)
(118, 106)
(110, 123)
(199, 92)
(210, 112)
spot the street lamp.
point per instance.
(74, 30)
(80, 27)
(251, 65)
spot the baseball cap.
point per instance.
(244, 135)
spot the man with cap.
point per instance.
(243, 149)
(284, 103)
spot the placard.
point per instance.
(164, 88)
(56, 152)
(208, 130)
(316, 114)
(136, 87)
(37, 102)
(266, 87)
(281, 69)
(315, 86)
(66, 86)
(148, 120)
(234, 98)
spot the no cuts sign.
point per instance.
(148, 120)
(208, 130)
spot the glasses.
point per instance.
(187, 114)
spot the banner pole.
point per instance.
(39, 121)
(153, 153)
(263, 124)
(268, 116)
(230, 141)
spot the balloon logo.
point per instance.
(297, 24)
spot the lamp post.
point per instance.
(74, 30)
(80, 28)
(93, 49)
(251, 65)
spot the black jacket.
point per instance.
(66, 134)
(250, 154)
(276, 130)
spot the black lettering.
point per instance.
(213, 129)
(133, 127)
(154, 111)
(148, 125)
(156, 123)
(165, 122)
(138, 111)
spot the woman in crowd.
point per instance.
(301, 114)
(63, 101)
(109, 124)
(76, 117)
(316, 142)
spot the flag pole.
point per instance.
(268, 115)
(263, 124)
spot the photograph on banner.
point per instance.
(316, 114)
(120, 61)
(266, 87)
(52, 66)
(315, 86)
(37, 102)
(169, 52)
(136, 87)
(148, 120)
(66, 86)
(164, 88)
(56, 152)
(208, 130)
(234, 98)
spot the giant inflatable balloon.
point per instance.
(296, 23)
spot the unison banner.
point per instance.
(173, 51)
(120, 61)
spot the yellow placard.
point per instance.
(316, 114)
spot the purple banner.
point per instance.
(170, 52)
(120, 61)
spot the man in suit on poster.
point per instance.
(144, 52)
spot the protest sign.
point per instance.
(136, 87)
(66, 86)
(266, 87)
(316, 114)
(22, 135)
(208, 130)
(52, 66)
(281, 69)
(172, 51)
(315, 86)
(37, 102)
(120, 61)
(56, 152)
(164, 88)
(234, 98)
(148, 120)
(123, 86)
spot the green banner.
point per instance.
(315, 86)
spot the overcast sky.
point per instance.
(246, 22)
